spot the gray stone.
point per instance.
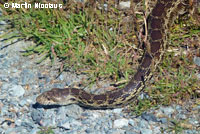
(130, 132)
(10, 131)
(124, 5)
(48, 122)
(119, 123)
(116, 131)
(2, 131)
(182, 116)
(131, 122)
(75, 123)
(4, 110)
(95, 116)
(34, 131)
(117, 110)
(149, 117)
(14, 80)
(27, 124)
(163, 120)
(23, 102)
(37, 115)
(27, 76)
(90, 130)
(198, 76)
(16, 90)
(143, 124)
(18, 122)
(167, 110)
(61, 77)
(73, 111)
(197, 60)
(191, 132)
(146, 131)
(5, 86)
(3, 22)
(64, 124)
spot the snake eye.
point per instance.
(72, 99)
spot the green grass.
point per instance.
(46, 130)
(83, 40)
(175, 80)
(77, 40)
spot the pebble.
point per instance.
(72, 111)
(119, 123)
(16, 90)
(149, 117)
(26, 76)
(197, 60)
(132, 122)
(34, 131)
(118, 110)
(146, 131)
(37, 115)
(167, 110)
(65, 125)
(143, 124)
(163, 120)
(124, 5)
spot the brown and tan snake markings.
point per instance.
(158, 23)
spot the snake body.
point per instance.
(158, 23)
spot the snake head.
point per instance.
(56, 96)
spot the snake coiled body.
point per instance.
(158, 23)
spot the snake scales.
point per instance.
(158, 23)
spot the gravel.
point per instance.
(21, 80)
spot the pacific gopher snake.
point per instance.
(158, 23)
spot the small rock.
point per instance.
(182, 116)
(48, 122)
(89, 130)
(5, 86)
(61, 77)
(124, 5)
(34, 131)
(65, 125)
(117, 110)
(10, 131)
(27, 124)
(18, 122)
(191, 132)
(143, 124)
(197, 60)
(163, 120)
(167, 110)
(198, 76)
(178, 108)
(4, 110)
(114, 131)
(37, 115)
(73, 111)
(75, 123)
(2, 22)
(22, 102)
(95, 115)
(119, 123)
(27, 76)
(130, 132)
(146, 131)
(131, 122)
(16, 90)
(149, 117)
